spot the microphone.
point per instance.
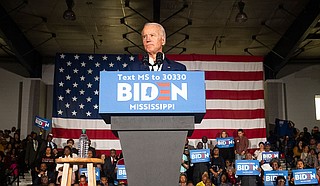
(145, 59)
(159, 58)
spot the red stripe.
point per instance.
(220, 58)
(214, 133)
(75, 133)
(234, 114)
(198, 133)
(235, 94)
(234, 76)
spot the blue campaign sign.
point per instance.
(200, 155)
(247, 167)
(225, 142)
(85, 172)
(42, 123)
(304, 176)
(121, 172)
(136, 92)
(268, 156)
(271, 176)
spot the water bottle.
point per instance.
(83, 145)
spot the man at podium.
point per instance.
(154, 38)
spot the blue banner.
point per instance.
(135, 92)
(200, 155)
(268, 156)
(121, 172)
(304, 176)
(247, 167)
(225, 142)
(271, 176)
(85, 172)
(42, 123)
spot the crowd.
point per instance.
(37, 153)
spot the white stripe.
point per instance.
(233, 85)
(235, 104)
(205, 124)
(80, 124)
(224, 66)
(253, 143)
(231, 124)
(115, 144)
(101, 144)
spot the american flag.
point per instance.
(234, 97)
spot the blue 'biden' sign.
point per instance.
(304, 176)
(121, 172)
(271, 176)
(247, 167)
(200, 155)
(225, 142)
(268, 156)
(135, 92)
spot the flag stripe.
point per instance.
(234, 114)
(234, 85)
(99, 124)
(235, 94)
(233, 76)
(235, 104)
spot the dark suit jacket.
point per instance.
(108, 169)
(168, 65)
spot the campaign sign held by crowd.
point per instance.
(271, 176)
(85, 172)
(121, 172)
(225, 142)
(200, 155)
(268, 156)
(304, 176)
(134, 92)
(247, 167)
(42, 123)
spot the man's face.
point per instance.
(200, 145)
(204, 139)
(43, 167)
(90, 155)
(48, 150)
(153, 39)
(70, 143)
(275, 166)
(113, 153)
(300, 165)
(281, 182)
(240, 133)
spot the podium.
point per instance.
(152, 113)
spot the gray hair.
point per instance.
(163, 32)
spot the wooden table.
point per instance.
(68, 164)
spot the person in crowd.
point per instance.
(109, 167)
(306, 134)
(48, 159)
(258, 153)
(275, 164)
(311, 159)
(204, 178)
(2, 170)
(190, 183)
(32, 154)
(43, 171)
(266, 166)
(90, 155)
(209, 183)
(70, 143)
(299, 165)
(188, 146)
(104, 181)
(184, 162)
(280, 181)
(249, 180)
(226, 153)
(224, 180)
(44, 181)
(153, 39)
(316, 133)
(205, 142)
(183, 180)
(67, 153)
(318, 148)
(304, 153)
(199, 168)
(318, 160)
(241, 145)
(229, 164)
(93, 150)
(83, 180)
(43, 144)
(217, 166)
(231, 175)
(297, 150)
(312, 143)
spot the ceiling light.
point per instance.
(241, 16)
(69, 14)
